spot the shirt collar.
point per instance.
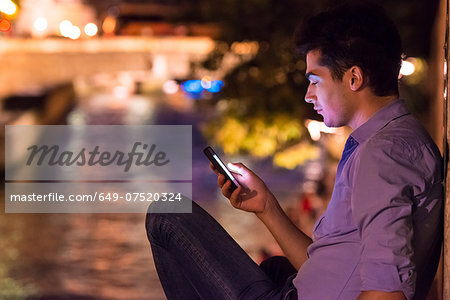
(379, 120)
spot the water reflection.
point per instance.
(96, 255)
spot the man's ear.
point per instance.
(356, 78)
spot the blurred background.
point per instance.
(228, 69)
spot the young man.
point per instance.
(380, 237)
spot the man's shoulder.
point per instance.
(405, 134)
(403, 140)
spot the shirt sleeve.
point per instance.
(387, 178)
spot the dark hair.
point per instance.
(355, 34)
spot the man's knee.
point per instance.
(153, 224)
(160, 221)
(156, 221)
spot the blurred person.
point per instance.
(309, 205)
(381, 234)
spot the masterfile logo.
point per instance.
(98, 169)
(101, 152)
(52, 155)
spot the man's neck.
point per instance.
(368, 106)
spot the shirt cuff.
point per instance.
(385, 277)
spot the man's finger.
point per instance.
(236, 168)
(234, 197)
(241, 169)
(213, 168)
(221, 180)
(226, 189)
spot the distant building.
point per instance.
(42, 18)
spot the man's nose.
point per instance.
(309, 97)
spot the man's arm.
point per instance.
(378, 295)
(292, 240)
(387, 189)
(254, 196)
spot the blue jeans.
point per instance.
(197, 259)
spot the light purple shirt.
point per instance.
(383, 226)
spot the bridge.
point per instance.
(35, 63)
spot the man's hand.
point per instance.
(253, 195)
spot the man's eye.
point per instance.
(314, 83)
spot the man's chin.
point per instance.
(330, 124)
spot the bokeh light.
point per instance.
(243, 48)
(75, 33)
(121, 92)
(170, 87)
(8, 7)
(40, 24)
(407, 68)
(315, 128)
(109, 25)
(65, 28)
(90, 29)
(5, 25)
(215, 86)
(206, 82)
(197, 86)
(192, 86)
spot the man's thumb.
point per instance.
(239, 168)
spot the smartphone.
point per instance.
(220, 166)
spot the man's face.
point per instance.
(327, 94)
